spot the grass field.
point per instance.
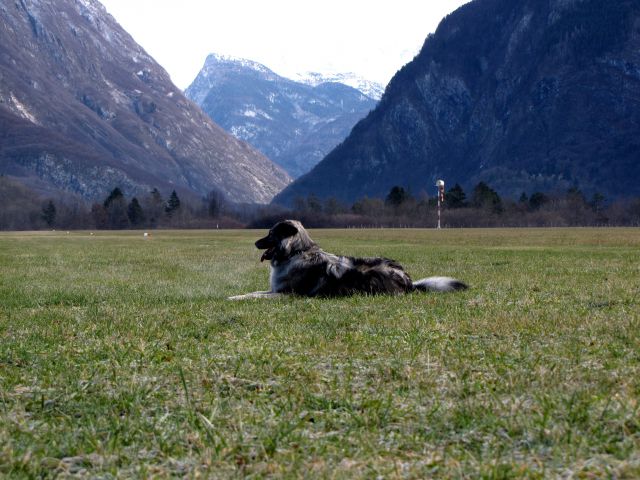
(120, 357)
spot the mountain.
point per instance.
(84, 109)
(295, 124)
(526, 95)
(371, 89)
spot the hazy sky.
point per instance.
(373, 38)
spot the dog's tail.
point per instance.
(439, 284)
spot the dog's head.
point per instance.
(284, 240)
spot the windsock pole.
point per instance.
(440, 185)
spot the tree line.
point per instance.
(21, 209)
(117, 213)
(481, 207)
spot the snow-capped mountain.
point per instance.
(211, 74)
(369, 88)
(293, 123)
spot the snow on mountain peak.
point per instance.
(94, 6)
(371, 89)
(215, 59)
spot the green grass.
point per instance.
(120, 357)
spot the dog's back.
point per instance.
(371, 276)
(318, 273)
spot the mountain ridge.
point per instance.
(83, 108)
(523, 95)
(370, 88)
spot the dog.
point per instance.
(300, 267)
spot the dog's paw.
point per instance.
(237, 297)
(248, 296)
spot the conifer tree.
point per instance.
(116, 207)
(396, 196)
(115, 194)
(313, 204)
(537, 199)
(173, 204)
(154, 206)
(49, 213)
(215, 204)
(135, 212)
(455, 197)
(486, 197)
(597, 202)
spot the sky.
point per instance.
(372, 38)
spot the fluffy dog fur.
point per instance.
(299, 266)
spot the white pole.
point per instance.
(440, 185)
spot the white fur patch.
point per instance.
(437, 284)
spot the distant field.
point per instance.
(120, 357)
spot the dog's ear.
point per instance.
(285, 230)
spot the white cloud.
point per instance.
(371, 38)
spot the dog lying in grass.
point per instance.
(300, 267)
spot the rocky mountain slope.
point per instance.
(84, 109)
(295, 124)
(526, 95)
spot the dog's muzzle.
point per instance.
(268, 247)
(268, 254)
